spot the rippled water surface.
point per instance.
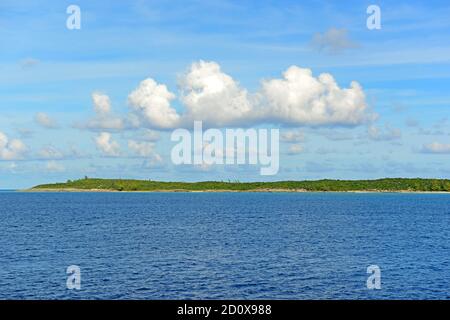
(224, 245)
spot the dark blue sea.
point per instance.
(224, 245)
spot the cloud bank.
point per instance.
(207, 93)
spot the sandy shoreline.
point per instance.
(224, 190)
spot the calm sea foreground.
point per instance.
(224, 245)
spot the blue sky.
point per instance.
(48, 75)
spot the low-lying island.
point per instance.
(326, 185)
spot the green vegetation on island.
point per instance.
(379, 185)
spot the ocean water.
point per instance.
(224, 245)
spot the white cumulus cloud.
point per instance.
(104, 118)
(213, 96)
(301, 99)
(11, 149)
(102, 103)
(107, 145)
(153, 102)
